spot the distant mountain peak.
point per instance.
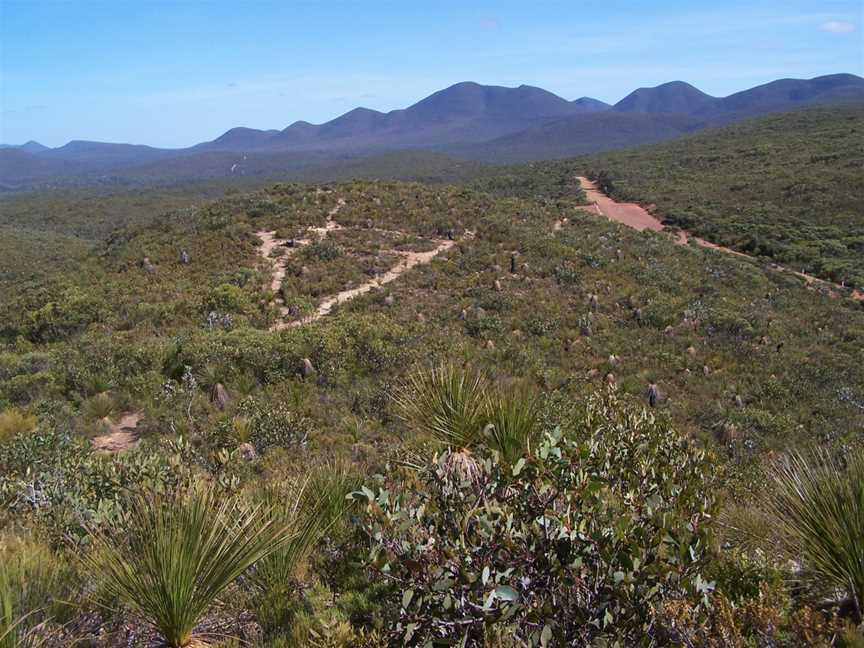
(670, 97)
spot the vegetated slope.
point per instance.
(746, 360)
(464, 112)
(787, 186)
(583, 134)
(673, 97)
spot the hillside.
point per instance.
(167, 339)
(785, 187)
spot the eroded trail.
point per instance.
(269, 242)
(636, 216)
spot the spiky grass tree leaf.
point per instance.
(173, 556)
(819, 505)
(512, 423)
(446, 402)
(309, 508)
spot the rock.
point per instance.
(726, 433)
(614, 360)
(247, 452)
(369, 223)
(184, 257)
(219, 396)
(148, 266)
(739, 402)
(388, 300)
(490, 344)
(463, 315)
(593, 373)
(304, 270)
(669, 330)
(308, 368)
(609, 378)
(706, 370)
(619, 254)
(421, 318)
(593, 301)
(517, 333)
(691, 350)
(497, 285)
(496, 268)
(652, 394)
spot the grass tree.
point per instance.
(459, 410)
(170, 559)
(309, 508)
(818, 503)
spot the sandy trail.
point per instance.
(120, 436)
(409, 260)
(635, 216)
(269, 242)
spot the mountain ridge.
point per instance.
(467, 119)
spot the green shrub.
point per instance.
(14, 422)
(273, 425)
(581, 542)
(818, 504)
(170, 559)
(227, 298)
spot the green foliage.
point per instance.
(310, 509)
(512, 423)
(817, 501)
(273, 425)
(35, 584)
(446, 403)
(14, 422)
(581, 542)
(170, 559)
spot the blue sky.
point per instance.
(177, 73)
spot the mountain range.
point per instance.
(467, 120)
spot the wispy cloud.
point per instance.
(490, 23)
(837, 27)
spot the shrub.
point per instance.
(14, 422)
(227, 298)
(35, 585)
(818, 503)
(580, 542)
(273, 425)
(171, 558)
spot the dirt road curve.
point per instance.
(269, 242)
(635, 216)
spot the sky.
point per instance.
(172, 74)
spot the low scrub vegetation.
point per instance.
(550, 436)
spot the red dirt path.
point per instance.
(635, 216)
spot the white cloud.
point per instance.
(838, 27)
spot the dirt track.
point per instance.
(269, 242)
(635, 216)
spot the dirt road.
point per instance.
(269, 242)
(635, 216)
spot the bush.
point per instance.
(14, 422)
(272, 426)
(171, 558)
(818, 503)
(580, 541)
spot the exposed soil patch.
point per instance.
(635, 216)
(119, 436)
